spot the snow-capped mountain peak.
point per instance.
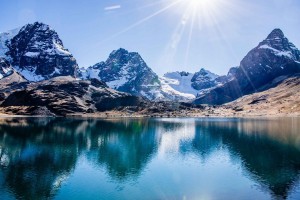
(274, 57)
(186, 85)
(127, 72)
(37, 53)
(279, 45)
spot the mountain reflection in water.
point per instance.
(39, 156)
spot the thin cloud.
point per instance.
(114, 7)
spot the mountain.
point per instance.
(185, 86)
(273, 57)
(37, 52)
(127, 72)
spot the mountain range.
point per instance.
(34, 61)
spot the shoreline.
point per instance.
(122, 115)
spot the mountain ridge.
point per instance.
(35, 55)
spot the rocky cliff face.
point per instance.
(37, 53)
(204, 79)
(127, 72)
(273, 57)
(66, 95)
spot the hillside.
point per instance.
(281, 100)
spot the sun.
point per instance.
(202, 9)
(194, 17)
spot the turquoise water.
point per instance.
(205, 158)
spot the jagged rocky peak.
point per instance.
(121, 54)
(204, 79)
(38, 53)
(127, 72)
(276, 34)
(183, 73)
(273, 57)
(277, 41)
(205, 73)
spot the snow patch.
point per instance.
(4, 37)
(117, 83)
(277, 52)
(60, 49)
(32, 54)
(90, 73)
(57, 71)
(30, 75)
(182, 84)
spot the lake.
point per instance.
(181, 158)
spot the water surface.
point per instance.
(56, 158)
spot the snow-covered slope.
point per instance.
(5, 37)
(178, 85)
(180, 81)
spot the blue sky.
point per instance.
(170, 35)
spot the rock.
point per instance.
(66, 95)
(38, 54)
(204, 79)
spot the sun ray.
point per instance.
(171, 48)
(190, 37)
(141, 7)
(142, 21)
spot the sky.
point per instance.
(170, 35)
